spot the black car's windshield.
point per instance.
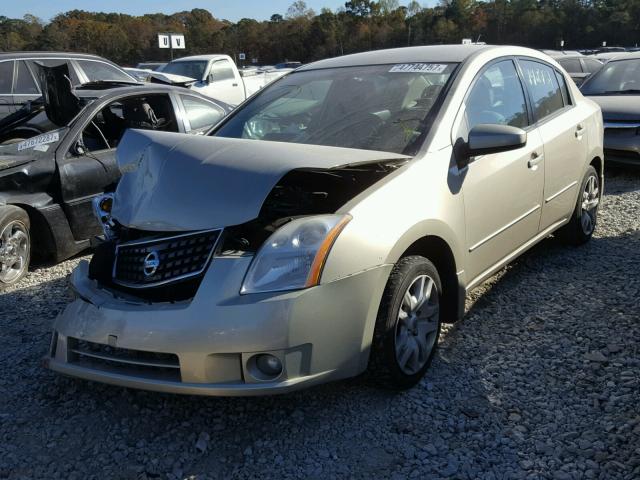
(190, 68)
(33, 147)
(380, 107)
(618, 77)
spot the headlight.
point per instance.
(102, 206)
(293, 256)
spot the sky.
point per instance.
(232, 10)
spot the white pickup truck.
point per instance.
(216, 76)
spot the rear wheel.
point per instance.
(408, 324)
(15, 244)
(580, 228)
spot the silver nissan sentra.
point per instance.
(331, 223)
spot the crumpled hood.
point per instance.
(177, 182)
(620, 108)
(171, 79)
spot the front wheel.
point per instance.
(408, 324)
(580, 228)
(15, 244)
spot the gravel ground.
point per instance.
(541, 380)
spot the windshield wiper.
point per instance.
(630, 91)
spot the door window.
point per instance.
(222, 70)
(563, 87)
(6, 77)
(543, 87)
(25, 83)
(497, 98)
(200, 113)
(151, 112)
(54, 62)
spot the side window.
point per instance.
(571, 65)
(564, 89)
(54, 62)
(222, 70)
(497, 97)
(96, 71)
(200, 113)
(543, 87)
(6, 77)
(151, 112)
(25, 84)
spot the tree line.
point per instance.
(304, 35)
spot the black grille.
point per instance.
(153, 262)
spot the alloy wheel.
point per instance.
(14, 251)
(590, 201)
(417, 324)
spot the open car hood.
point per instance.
(60, 103)
(176, 182)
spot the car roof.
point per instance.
(622, 56)
(29, 54)
(200, 57)
(429, 53)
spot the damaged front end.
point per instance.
(183, 203)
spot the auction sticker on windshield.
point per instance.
(418, 68)
(39, 140)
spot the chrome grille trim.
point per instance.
(149, 243)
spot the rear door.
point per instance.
(561, 126)
(6, 82)
(502, 191)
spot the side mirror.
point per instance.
(489, 138)
(210, 78)
(79, 148)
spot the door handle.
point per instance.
(536, 158)
(234, 84)
(579, 130)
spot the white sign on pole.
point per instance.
(164, 41)
(604, 44)
(562, 43)
(242, 56)
(177, 41)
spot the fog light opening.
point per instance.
(267, 366)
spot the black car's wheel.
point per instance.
(15, 244)
(580, 228)
(408, 324)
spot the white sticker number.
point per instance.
(418, 68)
(39, 140)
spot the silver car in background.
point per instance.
(332, 223)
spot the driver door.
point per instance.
(90, 167)
(502, 191)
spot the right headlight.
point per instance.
(102, 206)
(294, 255)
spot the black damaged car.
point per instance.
(48, 182)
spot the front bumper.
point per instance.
(207, 346)
(622, 145)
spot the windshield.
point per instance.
(192, 69)
(381, 107)
(34, 146)
(616, 77)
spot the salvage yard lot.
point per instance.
(540, 380)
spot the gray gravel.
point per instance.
(541, 380)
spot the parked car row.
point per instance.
(330, 224)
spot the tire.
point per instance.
(15, 245)
(583, 221)
(403, 348)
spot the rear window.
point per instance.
(377, 107)
(571, 65)
(97, 71)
